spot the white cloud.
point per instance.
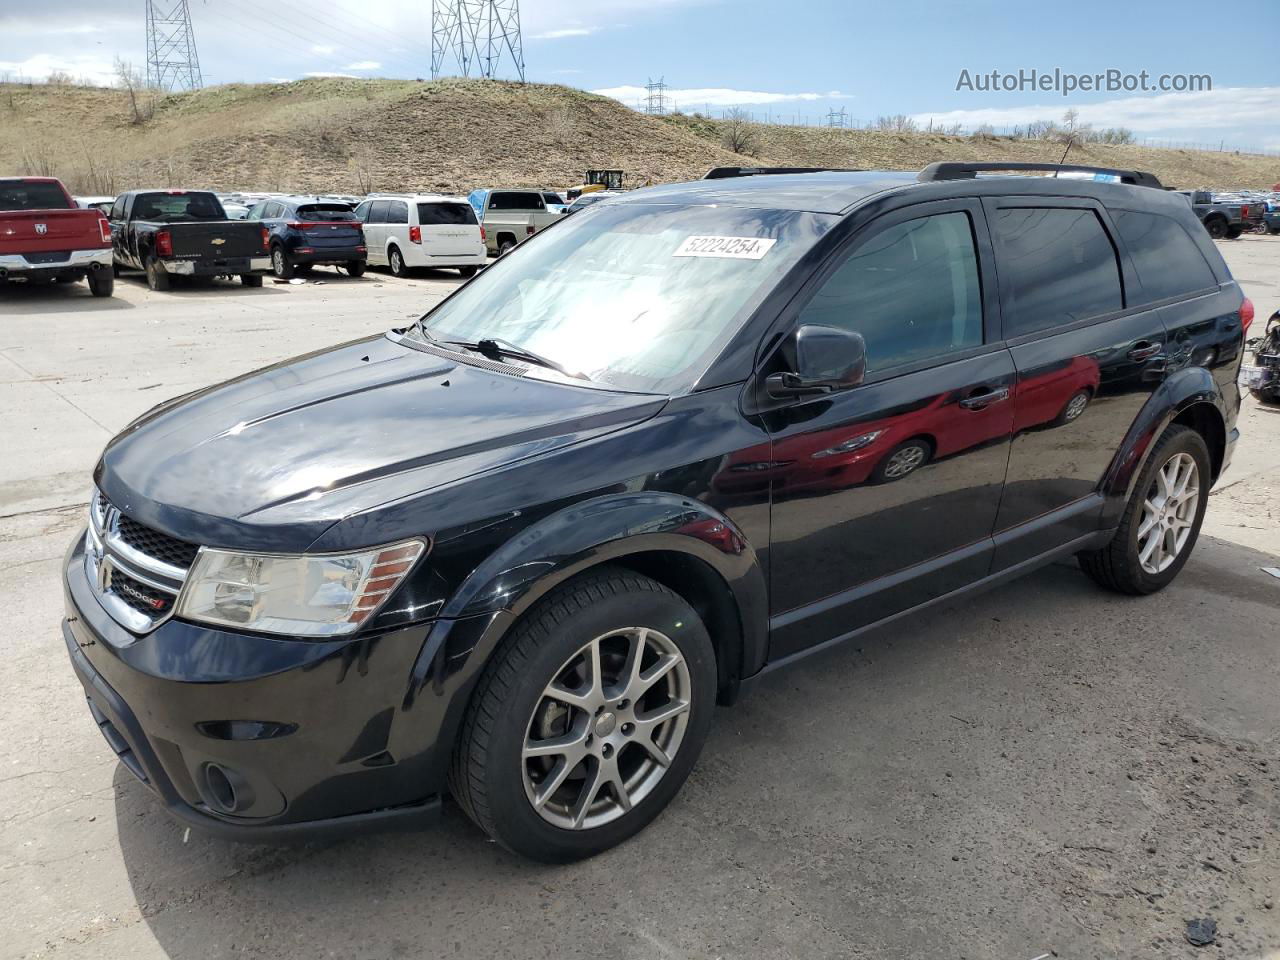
(322, 50)
(279, 80)
(1222, 109)
(564, 32)
(363, 65)
(94, 69)
(326, 73)
(718, 96)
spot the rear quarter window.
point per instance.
(1056, 266)
(1168, 262)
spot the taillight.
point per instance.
(164, 243)
(105, 227)
(415, 234)
(1246, 314)
(266, 239)
(529, 230)
(483, 238)
(1244, 210)
(297, 226)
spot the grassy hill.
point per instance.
(332, 134)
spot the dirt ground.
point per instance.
(1044, 771)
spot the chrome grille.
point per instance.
(136, 571)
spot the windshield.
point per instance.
(177, 207)
(634, 296)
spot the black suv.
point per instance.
(517, 551)
(304, 232)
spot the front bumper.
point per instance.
(311, 736)
(217, 268)
(17, 265)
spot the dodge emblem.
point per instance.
(42, 228)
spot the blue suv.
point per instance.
(306, 231)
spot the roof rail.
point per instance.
(724, 173)
(964, 170)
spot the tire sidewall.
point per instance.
(1185, 441)
(517, 824)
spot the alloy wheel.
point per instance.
(1168, 513)
(904, 461)
(1075, 406)
(606, 728)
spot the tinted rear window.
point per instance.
(1168, 262)
(326, 211)
(435, 214)
(177, 207)
(512, 200)
(16, 195)
(1056, 266)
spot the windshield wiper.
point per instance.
(496, 347)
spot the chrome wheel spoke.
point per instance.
(1168, 513)
(590, 787)
(571, 744)
(662, 714)
(559, 773)
(645, 681)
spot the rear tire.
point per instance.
(505, 246)
(1119, 566)
(396, 259)
(355, 268)
(157, 277)
(1217, 227)
(281, 265)
(467, 272)
(102, 283)
(613, 612)
(251, 279)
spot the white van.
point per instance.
(404, 231)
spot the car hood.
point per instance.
(270, 460)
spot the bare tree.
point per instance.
(362, 168)
(129, 78)
(738, 133)
(38, 159)
(984, 131)
(59, 78)
(897, 123)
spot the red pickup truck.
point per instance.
(45, 236)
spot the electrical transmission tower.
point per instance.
(835, 119)
(172, 62)
(476, 32)
(656, 100)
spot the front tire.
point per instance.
(588, 719)
(1162, 520)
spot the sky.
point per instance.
(796, 61)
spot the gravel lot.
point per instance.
(1046, 769)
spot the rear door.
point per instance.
(449, 229)
(375, 231)
(884, 496)
(1088, 355)
(396, 231)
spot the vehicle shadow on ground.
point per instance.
(824, 811)
(53, 297)
(185, 287)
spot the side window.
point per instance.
(378, 212)
(1168, 262)
(911, 290)
(362, 211)
(1057, 265)
(117, 209)
(398, 212)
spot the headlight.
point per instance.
(850, 445)
(316, 596)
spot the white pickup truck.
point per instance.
(510, 216)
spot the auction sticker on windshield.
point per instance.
(734, 248)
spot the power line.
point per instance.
(476, 33)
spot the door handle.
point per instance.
(983, 397)
(1145, 350)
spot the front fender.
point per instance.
(1180, 391)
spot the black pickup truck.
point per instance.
(185, 233)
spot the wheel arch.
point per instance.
(687, 546)
(1190, 397)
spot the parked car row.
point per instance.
(1228, 215)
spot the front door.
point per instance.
(884, 496)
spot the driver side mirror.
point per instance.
(825, 360)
